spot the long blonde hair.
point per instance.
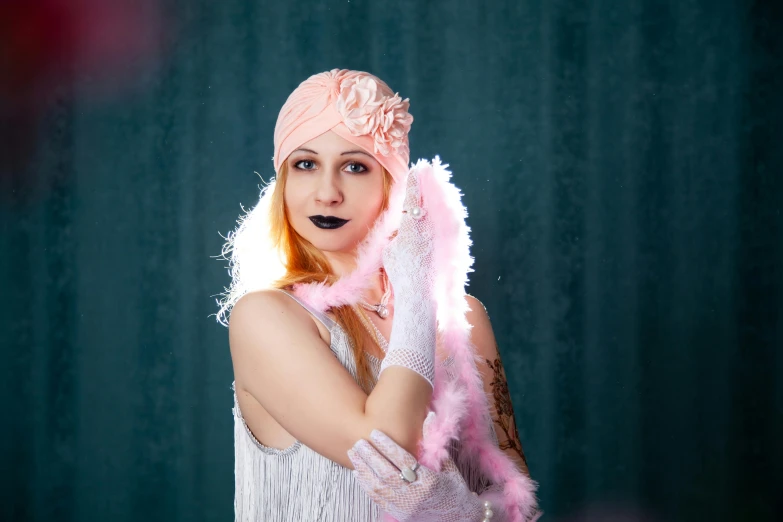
(304, 263)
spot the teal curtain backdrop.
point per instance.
(621, 163)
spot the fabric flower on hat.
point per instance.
(365, 109)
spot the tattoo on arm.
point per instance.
(504, 410)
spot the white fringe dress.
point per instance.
(298, 484)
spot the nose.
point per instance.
(328, 192)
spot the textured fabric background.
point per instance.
(621, 163)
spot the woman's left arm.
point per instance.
(443, 494)
(492, 373)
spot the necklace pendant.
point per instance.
(383, 312)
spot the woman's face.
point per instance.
(333, 192)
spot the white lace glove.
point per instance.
(433, 496)
(408, 260)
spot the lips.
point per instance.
(328, 222)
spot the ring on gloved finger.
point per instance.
(418, 212)
(409, 474)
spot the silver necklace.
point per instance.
(381, 308)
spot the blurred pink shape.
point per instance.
(45, 41)
(50, 46)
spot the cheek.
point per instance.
(372, 200)
(375, 190)
(292, 196)
(376, 199)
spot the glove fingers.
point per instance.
(383, 469)
(392, 451)
(371, 483)
(362, 469)
(412, 190)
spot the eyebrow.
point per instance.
(343, 154)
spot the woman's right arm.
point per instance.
(281, 360)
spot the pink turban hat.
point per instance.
(356, 106)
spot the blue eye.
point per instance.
(359, 165)
(310, 163)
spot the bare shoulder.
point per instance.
(481, 333)
(265, 307)
(263, 320)
(269, 299)
(476, 308)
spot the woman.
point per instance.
(319, 287)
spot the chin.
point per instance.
(339, 243)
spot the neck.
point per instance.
(343, 263)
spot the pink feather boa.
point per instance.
(460, 404)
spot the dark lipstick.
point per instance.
(328, 222)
